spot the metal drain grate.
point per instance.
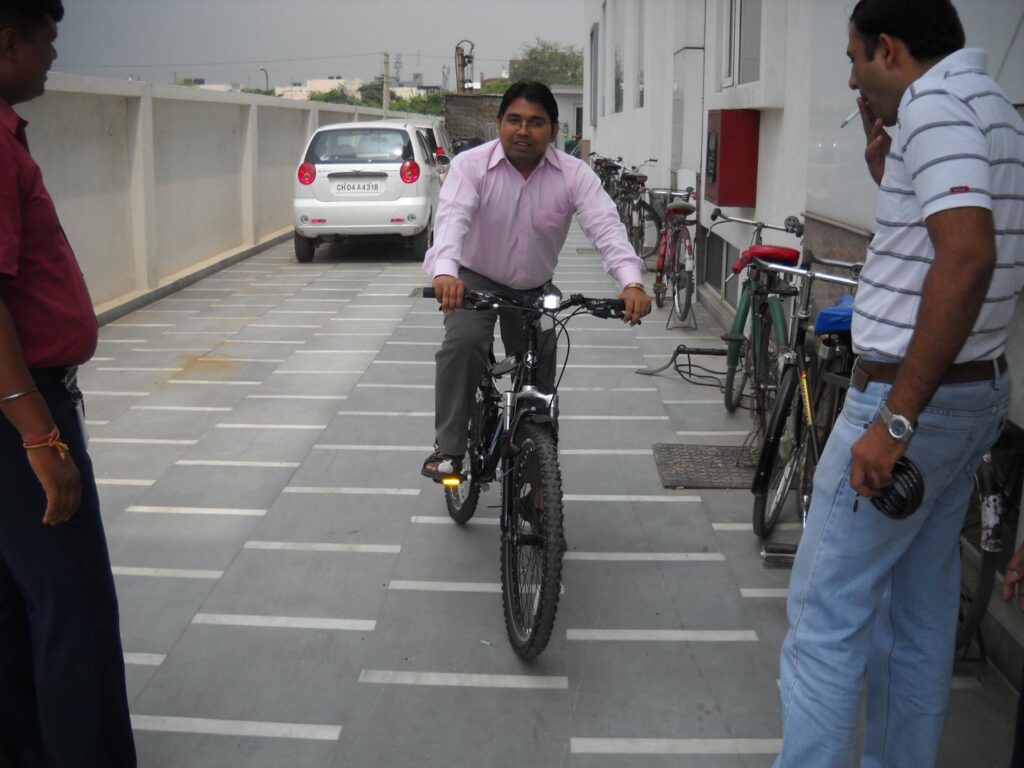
(704, 466)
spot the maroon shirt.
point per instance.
(40, 280)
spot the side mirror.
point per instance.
(442, 161)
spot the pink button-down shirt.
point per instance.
(510, 229)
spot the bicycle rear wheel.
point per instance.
(978, 566)
(533, 545)
(765, 368)
(781, 453)
(649, 228)
(682, 279)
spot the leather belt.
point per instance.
(866, 371)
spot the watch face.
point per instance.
(897, 428)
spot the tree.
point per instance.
(549, 62)
(372, 94)
(338, 96)
(494, 88)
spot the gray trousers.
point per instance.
(465, 355)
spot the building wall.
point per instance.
(156, 185)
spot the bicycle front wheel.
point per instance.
(650, 230)
(461, 500)
(533, 545)
(781, 454)
(682, 278)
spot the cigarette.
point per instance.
(850, 117)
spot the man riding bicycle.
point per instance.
(503, 217)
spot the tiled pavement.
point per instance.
(292, 593)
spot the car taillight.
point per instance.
(307, 173)
(410, 172)
(440, 150)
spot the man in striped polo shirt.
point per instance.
(873, 596)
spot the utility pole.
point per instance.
(463, 66)
(387, 83)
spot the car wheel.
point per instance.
(305, 247)
(421, 243)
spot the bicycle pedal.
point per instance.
(778, 555)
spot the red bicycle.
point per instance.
(676, 264)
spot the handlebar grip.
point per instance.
(429, 292)
(715, 214)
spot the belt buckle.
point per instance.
(859, 378)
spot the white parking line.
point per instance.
(165, 573)
(464, 680)
(215, 382)
(352, 491)
(301, 546)
(632, 498)
(272, 426)
(144, 659)
(140, 441)
(647, 557)
(283, 622)
(296, 397)
(437, 520)
(664, 635)
(108, 393)
(185, 408)
(758, 593)
(747, 527)
(398, 414)
(211, 511)
(446, 586)
(124, 483)
(581, 746)
(240, 464)
(317, 373)
(251, 728)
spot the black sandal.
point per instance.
(446, 466)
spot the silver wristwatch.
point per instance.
(900, 428)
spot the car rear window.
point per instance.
(360, 145)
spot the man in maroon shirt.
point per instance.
(62, 688)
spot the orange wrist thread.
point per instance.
(51, 440)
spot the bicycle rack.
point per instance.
(682, 349)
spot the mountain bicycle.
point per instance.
(513, 436)
(642, 221)
(676, 264)
(758, 334)
(991, 521)
(808, 398)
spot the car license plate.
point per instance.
(358, 187)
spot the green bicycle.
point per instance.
(759, 334)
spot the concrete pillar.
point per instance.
(143, 190)
(250, 175)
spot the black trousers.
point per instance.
(63, 702)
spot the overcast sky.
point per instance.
(229, 40)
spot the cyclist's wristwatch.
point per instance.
(635, 285)
(900, 428)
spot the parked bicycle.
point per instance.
(607, 171)
(808, 397)
(513, 436)
(758, 334)
(643, 223)
(988, 537)
(676, 264)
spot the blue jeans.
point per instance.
(876, 598)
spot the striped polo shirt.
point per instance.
(958, 142)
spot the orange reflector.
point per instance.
(451, 482)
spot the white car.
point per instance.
(373, 178)
(436, 137)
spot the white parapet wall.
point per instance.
(157, 185)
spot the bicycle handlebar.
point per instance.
(472, 299)
(792, 224)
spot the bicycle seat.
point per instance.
(835, 319)
(638, 177)
(774, 253)
(680, 209)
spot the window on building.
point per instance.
(619, 49)
(741, 41)
(595, 71)
(638, 48)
